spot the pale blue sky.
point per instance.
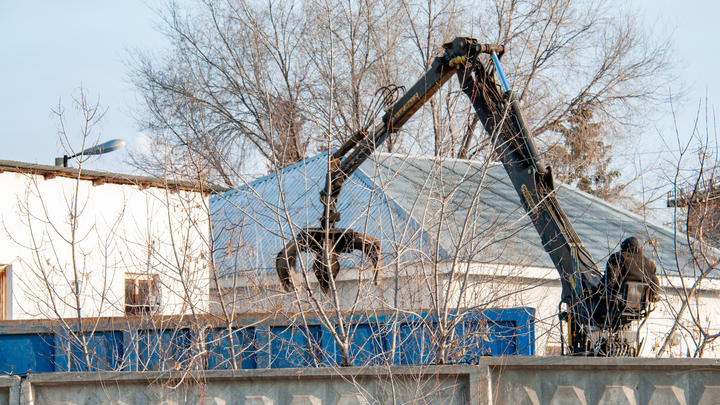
(695, 30)
(48, 48)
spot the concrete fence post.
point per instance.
(25, 393)
(14, 394)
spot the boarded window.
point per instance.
(142, 295)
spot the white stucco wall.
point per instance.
(121, 229)
(540, 288)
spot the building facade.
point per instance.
(79, 244)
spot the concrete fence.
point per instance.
(510, 380)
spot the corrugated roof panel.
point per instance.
(472, 207)
(253, 223)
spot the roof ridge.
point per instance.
(434, 158)
(274, 174)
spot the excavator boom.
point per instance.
(502, 119)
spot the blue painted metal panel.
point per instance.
(482, 333)
(415, 344)
(105, 352)
(271, 344)
(25, 353)
(499, 333)
(295, 346)
(369, 345)
(161, 350)
(504, 335)
(219, 343)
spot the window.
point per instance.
(142, 294)
(553, 350)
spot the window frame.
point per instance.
(134, 306)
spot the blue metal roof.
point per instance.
(418, 207)
(251, 224)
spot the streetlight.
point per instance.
(106, 147)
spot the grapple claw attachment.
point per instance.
(327, 245)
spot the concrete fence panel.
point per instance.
(605, 381)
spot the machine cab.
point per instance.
(618, 319)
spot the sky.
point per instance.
(48, 49)
(693, 27)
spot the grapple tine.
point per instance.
(285, 265)
(370, 247)
(321, 269)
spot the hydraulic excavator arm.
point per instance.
(500, 114)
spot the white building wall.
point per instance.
(540, 288)
(120, 230)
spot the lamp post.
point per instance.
(106, 147)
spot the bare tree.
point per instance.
(72, 255)
(694, 201)
(575, 57)
(246, 82)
